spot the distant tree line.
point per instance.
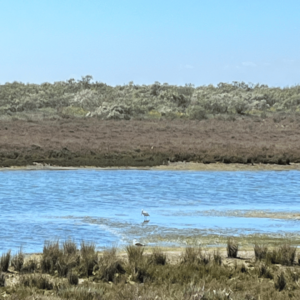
(86, 98)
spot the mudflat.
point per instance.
(173, 144)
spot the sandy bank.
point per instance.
(177, 166)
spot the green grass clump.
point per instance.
(51, 254)
(157, 257)
(260, 251)
(18, 261)
(5, 261)
(39, 281)
(284, 255)
(110, 266)
(265, 272)
(30, 266)
(89, 259)
(280, 283)
(69, 247)
(232, 248)
(72, 278)
(2, 279)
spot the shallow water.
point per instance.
(104, 206)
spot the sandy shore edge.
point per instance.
(177, 166)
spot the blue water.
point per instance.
(104, 206)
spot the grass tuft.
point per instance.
(157, 257)
(135, 254)
(2, 279)
(72, 278)
(110, 266)
(265, 272)
(232, 248)
(284, 254)
(280, 283)
(217, 258)
(260, 251)
(89, 258)
(30, 266)
(18, 261)
(4, 261)
(39, 281)
(69, 247)
(51, 254)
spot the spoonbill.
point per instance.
(145, 214)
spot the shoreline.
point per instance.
(176, 166)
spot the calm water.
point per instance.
(104, 206)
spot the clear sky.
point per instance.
(117, 41)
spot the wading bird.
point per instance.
(135, 243)
(145, 214)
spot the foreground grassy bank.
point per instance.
(65, 272)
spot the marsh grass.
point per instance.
(217, 258)
(280, 283)
(109, 266)
(260, 251)
(5, 261)
(194, 256)
(135, 254)
(37, 280)
(2, 279)
(17, 261)
(72, 278)
(265, 272)
(69, 247)
(30, 266)
(197, 275)
(89, 259)
(232, 248)
(284, 254)
(51, 254)
(157, 257)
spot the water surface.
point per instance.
(104, 206)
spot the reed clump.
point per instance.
(5, 261)
(232, 248)
(110, 266)
(88, 259)
(39, 281)
(17, 261)
(260, 251)
(157, 257)
(284, 255)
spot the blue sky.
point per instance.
(199, 42)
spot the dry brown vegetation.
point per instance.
(103, 143)
(195, 274)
